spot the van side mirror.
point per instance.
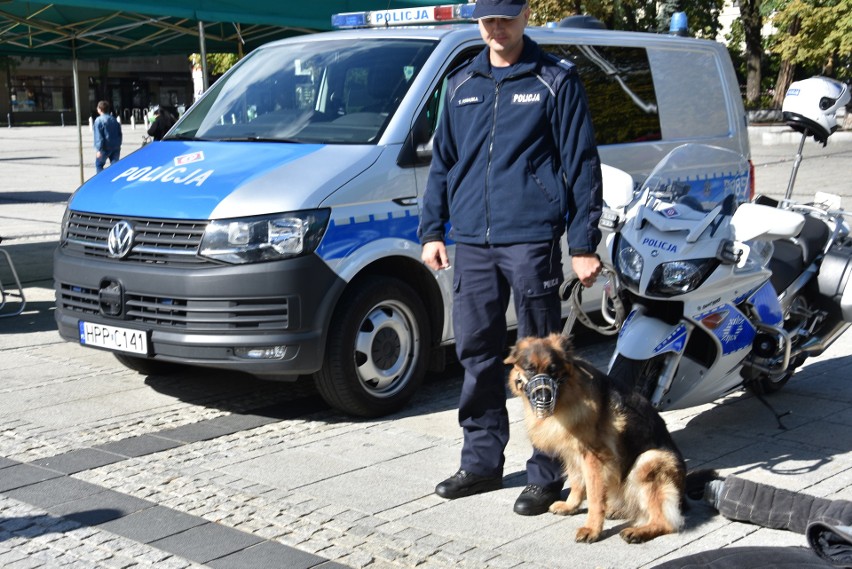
(424, 150)
(417, 148)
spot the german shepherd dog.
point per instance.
(614, 445)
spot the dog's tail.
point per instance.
(696, 481)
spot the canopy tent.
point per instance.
(80, 29)
(94, 29)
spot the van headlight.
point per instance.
(264, 238)
(63, 229)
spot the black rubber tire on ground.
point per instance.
(147, 366)
(642, 375)
(768, 385)
(377, 349)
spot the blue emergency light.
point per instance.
(404, 16)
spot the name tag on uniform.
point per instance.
(468, 101)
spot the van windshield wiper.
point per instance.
(184, 137)
(258, 139)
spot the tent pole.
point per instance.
(75, 74)
(203, 45)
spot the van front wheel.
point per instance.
(377, 349)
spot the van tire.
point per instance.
(377, 348)
(147, 366)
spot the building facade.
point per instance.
(35, 90)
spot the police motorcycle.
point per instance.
(724, 293)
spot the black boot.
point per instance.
(464, 483)
(535, 500)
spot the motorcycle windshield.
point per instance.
(701, 177)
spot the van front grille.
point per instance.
(160, 241)
(186, 314)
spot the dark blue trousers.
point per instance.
(484, 278)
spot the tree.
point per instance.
(217, 63)
(544, 11)
(814, 36)
(818, 34)
(752, 22)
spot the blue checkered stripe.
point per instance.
(351, 228)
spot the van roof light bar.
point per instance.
(404, 16)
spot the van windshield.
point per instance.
(311, 92)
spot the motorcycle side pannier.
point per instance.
(833, 277)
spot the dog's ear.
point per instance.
(563, 342)
(512, 358)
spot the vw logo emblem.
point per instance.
(120, 239)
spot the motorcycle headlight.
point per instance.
(629, 264)
(679, 277)
(264, 238)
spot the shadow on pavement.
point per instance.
(31, 527)
(237, 392)
(816, 409)
(33, 262)
(44, 196)
(37, 317)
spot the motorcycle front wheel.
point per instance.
(767, 383)
(641, 375)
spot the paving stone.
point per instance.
(19, 475)
(267, 555)
(140, 446)
(99, 508)
(207, 542)
(78, 460)
(53, 492)
(5, 462)
(152, 524)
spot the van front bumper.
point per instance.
(213, 316)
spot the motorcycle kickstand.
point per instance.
(778, 416)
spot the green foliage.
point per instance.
(217, 63)
(823, 39)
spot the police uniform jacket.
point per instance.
(514, 161)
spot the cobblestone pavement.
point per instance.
(102, 467)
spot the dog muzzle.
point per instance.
(541, 392)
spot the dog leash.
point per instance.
(612, 309)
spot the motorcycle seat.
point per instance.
(791, 256)
(812, 239)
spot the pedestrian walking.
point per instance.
(107, 133)
(514, 165)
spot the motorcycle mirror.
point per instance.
(617, 187)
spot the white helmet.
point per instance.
(811, 105)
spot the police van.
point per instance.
(273, 230)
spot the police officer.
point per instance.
(514, 164)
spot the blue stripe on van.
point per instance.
(347, 234)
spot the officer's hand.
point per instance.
(587, 267)
(434, 254)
